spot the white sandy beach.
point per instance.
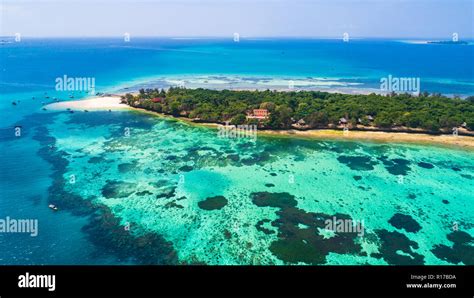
(91, 104)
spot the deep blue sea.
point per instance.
(29, 69)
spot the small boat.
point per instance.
(71, 112)
(86, 111)
(13, 103)
(44, 109)
(46, 97)
(110, 110)
(71, 96)
(53, 207)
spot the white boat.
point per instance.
(53, 207)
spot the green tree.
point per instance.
(317, 119)
(238, 119)
(431, 125)
(270, 106)
(174, 108)
(384, 119)
(280, 118)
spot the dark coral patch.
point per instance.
(412, 196)
(160, 183)
(127, 167)
(406, 222)
(260, 227)
(299, 157)
(296, 244)
(248, 161)
(106, 232)
(357, 178)
(461, 251)
(144, 193)
(167, 192)
(268, 199)
(213, 203)
(227, 234)
(261, 157)
(445, 201)
(269, 185)
(358, 163)
(425, 165)
(117, 189)
(96, 159)
(299, 239)
(392, 243)
(396, 166)
(256, 158)
(460, 237)
(233, 157)
(186, 168)
(292, 251)
(173, 205)
(273, 174)
(456, 169)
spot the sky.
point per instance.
(249, 18)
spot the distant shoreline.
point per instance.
(349, 86)
(113, 103)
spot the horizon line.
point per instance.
(444, 38)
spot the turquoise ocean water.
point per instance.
(174, 193)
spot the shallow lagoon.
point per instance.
(163, 191)
(225, 177)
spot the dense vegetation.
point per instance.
(432, 113)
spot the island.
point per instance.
(307, 110)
